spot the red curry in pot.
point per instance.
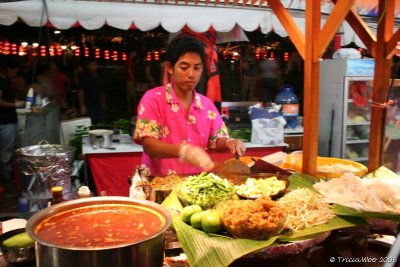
(100, 226)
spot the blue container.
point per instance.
(290, 105)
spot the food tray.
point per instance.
(362, 170)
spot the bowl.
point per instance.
(16, 255)
(258, 176)
(359, 169)
(205, 196)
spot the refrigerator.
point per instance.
(345, 108)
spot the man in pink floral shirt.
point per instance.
(175, 124)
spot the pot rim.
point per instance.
(37, 218)
(100, 132)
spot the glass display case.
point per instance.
(357, 117)
(345, 108)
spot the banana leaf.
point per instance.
(216, 250)
(347, 211)
(298, 180)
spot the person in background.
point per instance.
(249, 72)
(175, 124)
(60, 83)
(270, 79)
(131, 93)
(91, 98)
(8, 117)
(43, 123)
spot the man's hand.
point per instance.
(236, 146)
(195, 156)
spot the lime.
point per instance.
(188, 211)
(21, 240)
(197, 218)
(211, 222)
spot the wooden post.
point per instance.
(383, 66)
(311, 87)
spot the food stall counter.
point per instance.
(110, 168)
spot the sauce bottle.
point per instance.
(57, 192)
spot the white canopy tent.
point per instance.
(64, 14)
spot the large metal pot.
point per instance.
(101, 138)
(44, 149)
(148, 252)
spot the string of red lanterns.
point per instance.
(23, 49)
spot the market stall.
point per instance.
(221, 217)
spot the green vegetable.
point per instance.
(188, 211)
(205, 190)
(197, 219)
(211, 222)
(22, 240)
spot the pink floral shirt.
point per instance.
(162, 116)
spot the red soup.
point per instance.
(100, 226)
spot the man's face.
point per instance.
(186, 72)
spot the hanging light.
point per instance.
(86, 51)
(106, 54)
(24, 44)
(124, 57)
(73, 47)
(77, 51)
(97, 53)
(272, 56)
(6, 48)
(258, 53)
(59, 50)
(156, 56)
(35, 45)
(22, 50)
(63, 47)
(43, 51)
(57, 32)
(52, 51)
(115, 55)
(286, 56)
(148, 56)
(14, 49)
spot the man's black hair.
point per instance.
(182, 45)
(8, 62)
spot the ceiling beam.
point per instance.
(295, 34)
(332, 24)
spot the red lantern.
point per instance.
(258, 53)
(77, 51)
(97, 53)
(43, 51)
(115, 55)
(52, 51)
(286, 56)
(272, 56)
(124, 57)
(59, 50)
(156, 56)
(106, 54)
(6, 49)
(14, 49)
(86, 51)
(148, 56)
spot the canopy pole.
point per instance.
(311, 87)
(383, 67)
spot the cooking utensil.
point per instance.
(148, 252)
(100, 138)
(16, 255)
(232, 166)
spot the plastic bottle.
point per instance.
(38, 101)
(29, 99)
(290, 105)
